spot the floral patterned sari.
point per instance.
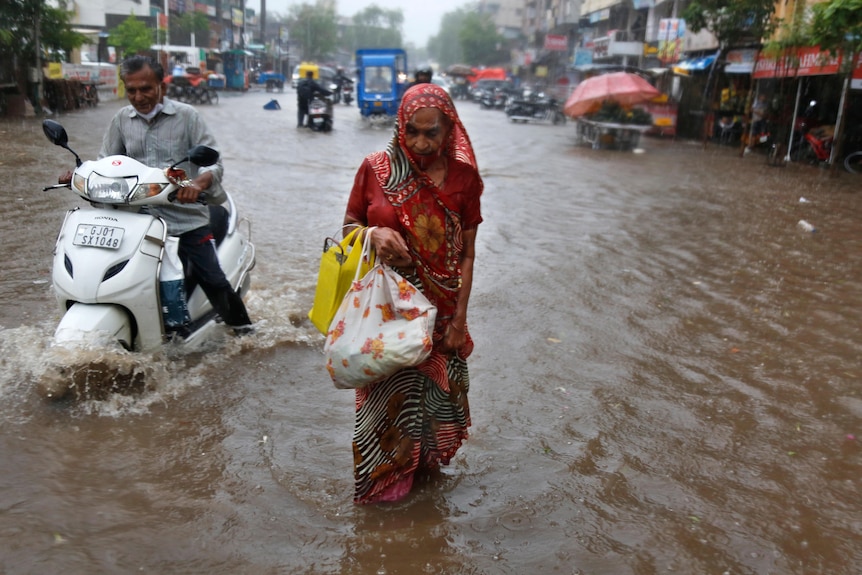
(417, 419)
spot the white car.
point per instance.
(442, 82)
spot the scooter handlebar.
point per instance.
(202, 197)
(56, 187)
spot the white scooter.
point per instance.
(107, 261)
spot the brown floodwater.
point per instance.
(666, 375)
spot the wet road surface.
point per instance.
(666, 376)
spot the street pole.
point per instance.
(167, 33)
(36, 72)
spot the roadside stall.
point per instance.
(603, 110)
(235, 63)
(609, 135)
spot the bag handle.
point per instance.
(366, 251)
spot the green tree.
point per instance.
(19, 21)
(733, 23)
(445, 47)
(480, 42)
(195, 23)
(131, 37)
(375, 27)
(314, 28)
(836, 26)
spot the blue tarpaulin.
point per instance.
(686, 67)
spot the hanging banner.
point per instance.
(556, 42)
(802, 61)
(236, 16)
(670, 36)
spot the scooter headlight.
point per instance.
(143, 191)
(110, 190)
(79, 183)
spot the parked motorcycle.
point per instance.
(493, 99)
(108, 258)
(535, 107)
(816, 147)
(320, 113)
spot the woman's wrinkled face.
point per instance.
(426, 132)
(143, 89)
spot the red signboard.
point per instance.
(804, 61)
(556, 42)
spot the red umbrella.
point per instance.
(622, 87)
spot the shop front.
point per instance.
(805, 90)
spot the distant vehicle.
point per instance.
(324, 75)
(443, 83)
(272, 80)
(381, 77)
(483, 88)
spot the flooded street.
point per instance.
(666, 376)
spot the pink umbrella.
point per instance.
(622, 87)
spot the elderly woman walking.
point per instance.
(422, 193)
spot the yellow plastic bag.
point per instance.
(338, 266)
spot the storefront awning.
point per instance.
(740, 61)
(686, 67)
(739, 68)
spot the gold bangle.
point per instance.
(452, 325)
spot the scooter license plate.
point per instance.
(93, 236)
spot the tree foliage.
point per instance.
(131, 37)
(375, 27)
(480, 41)
(836, 25)
(191, 22)
(732, 22)
(314, 28)
(445, 47)
(18, 20)
(469, 37)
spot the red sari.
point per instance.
(417, 419)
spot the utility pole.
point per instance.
(242, 26)
(263, 22)
(35, 74)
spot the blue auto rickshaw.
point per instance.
(382, 77)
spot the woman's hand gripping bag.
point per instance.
(384, 324)
(338, 267)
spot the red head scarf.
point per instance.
(394, 166)
(421, 96)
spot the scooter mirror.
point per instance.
(203, 156)
(55, 132)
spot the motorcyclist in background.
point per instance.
(422, 76)
(305, 91)
(340, 80)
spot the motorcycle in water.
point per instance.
(535, 107)
(108, 258)
(320, 113)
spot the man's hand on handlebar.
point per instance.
(188, 193)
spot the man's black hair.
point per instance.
(135, 64)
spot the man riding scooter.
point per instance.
(305, 91)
